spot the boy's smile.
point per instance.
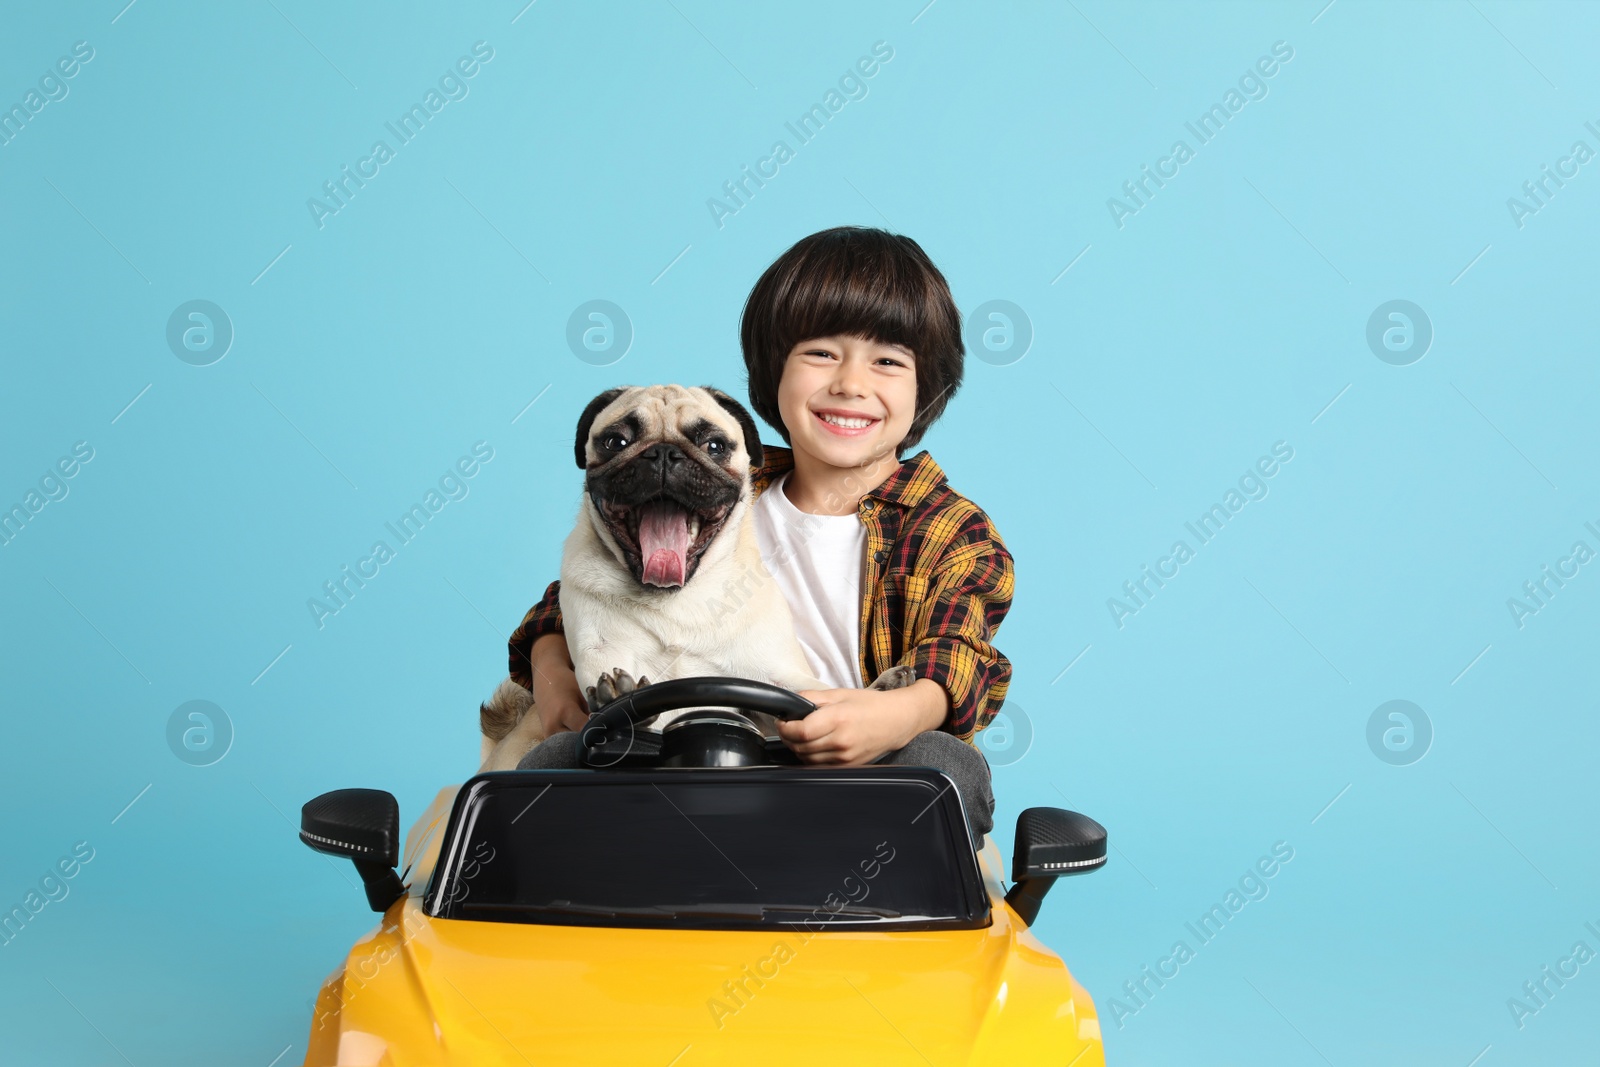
(845, 423)
(847, 402)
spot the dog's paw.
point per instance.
(612, 684)
(894, 678)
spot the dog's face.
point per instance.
(666, 465)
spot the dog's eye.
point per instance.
(613, 441)
(716, 448)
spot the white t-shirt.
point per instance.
(817, 562)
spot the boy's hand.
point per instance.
(557, 698)
(853, 727)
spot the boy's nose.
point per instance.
(849, 379)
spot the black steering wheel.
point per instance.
(704, 738)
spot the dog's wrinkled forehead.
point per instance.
(680, 414)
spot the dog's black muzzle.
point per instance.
(664, 470)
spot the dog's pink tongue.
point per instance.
(664, 544)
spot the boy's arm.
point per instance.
(969, 593)
(543, 618)
(540, 663)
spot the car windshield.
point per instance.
(765, 847)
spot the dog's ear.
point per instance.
(586, 420)
(747, 425)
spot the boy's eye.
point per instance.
(613, 441)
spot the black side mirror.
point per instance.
(1051, 843)
(362, 825)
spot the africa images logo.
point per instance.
(1207, 127)
(852, 85)
(452, 86)
(53, 88)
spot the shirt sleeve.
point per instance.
(543, 618)
(969, 593)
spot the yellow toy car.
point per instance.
(688, 900)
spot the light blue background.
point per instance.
(1228, 314)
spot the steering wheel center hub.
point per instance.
(712, 738)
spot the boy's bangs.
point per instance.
(876, 305)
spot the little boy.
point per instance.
(852, 343)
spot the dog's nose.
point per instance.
(664, 455)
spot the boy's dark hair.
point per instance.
(861, 282)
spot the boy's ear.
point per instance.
(747, 424)
(586, 420)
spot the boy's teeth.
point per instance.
(849, 424)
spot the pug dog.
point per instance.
(662, 577)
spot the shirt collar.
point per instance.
(910, 483)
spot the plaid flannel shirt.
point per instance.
(937, 583)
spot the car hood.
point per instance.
(452, 991)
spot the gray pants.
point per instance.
(943, 752)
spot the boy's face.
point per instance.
(847, 401)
